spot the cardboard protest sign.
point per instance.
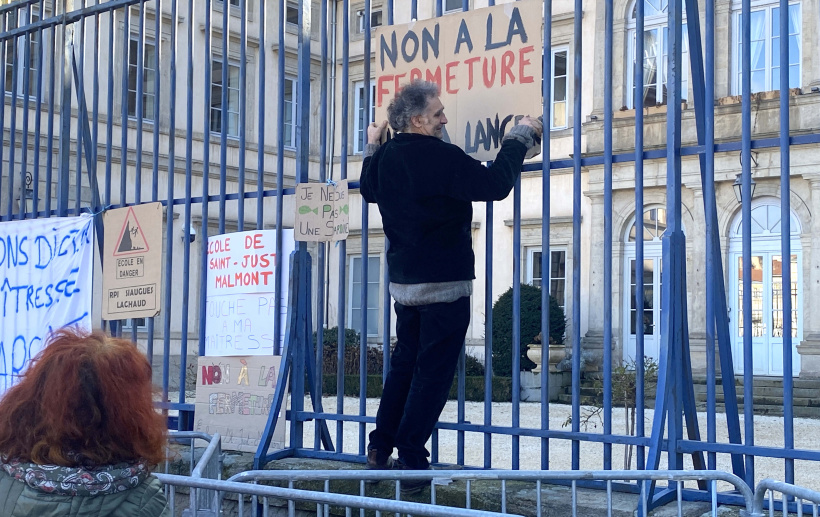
(46, 267)
(234, 397)
(487, 63)
(241, 299)
(132, 262)
(322, 212)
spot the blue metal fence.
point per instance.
(73, 50)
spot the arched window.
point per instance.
(654, 225)
(656, 47)
(765, 222)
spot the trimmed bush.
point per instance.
(375, 359)
(473, 367)
(530, 325)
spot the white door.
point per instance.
(650, 288)
(767, 293)
(767, 312)
(654, 225)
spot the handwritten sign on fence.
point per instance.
(487, 63)
(241, 299)
(234, 397)
(322, 212)
(46, 267)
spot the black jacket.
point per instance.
(424, 188)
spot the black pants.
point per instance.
(422, 367)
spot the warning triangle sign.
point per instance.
(132, 239)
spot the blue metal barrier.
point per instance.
(55, 55)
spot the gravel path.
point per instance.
(767, 431)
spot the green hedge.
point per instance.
(474, 387)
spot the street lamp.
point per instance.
(28, 194)
(738, 186)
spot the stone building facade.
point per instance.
(805, 169)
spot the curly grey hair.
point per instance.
(411, 101)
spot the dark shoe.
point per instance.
(377, 460)
(411, 486)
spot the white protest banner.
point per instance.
(487, 63)
(322, 212)
(46, 267)
(241, 299)
(234, 397)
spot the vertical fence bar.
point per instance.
(548, 68)
(516, 323)
(576, 233)
(320, 270)
(138, 115)
(206, 172)
(97, 205)
(155, 159)
(386, 326)
(78, 182)
(608, 15)
(243, 108)
(50, 132)
(95, 101)
(224, 113)
(674, 297)
(461, 393)
(27, 57)
(785, 240)
(139, 111)
(746, 211)
(15, 91)
(13, 118)
(186, 224)
(302, 172)
(640, 393)
(109, 112)
(710, 215)
(260, 143)
(365, 236)
(3, 47)
(488, 331)
(462, 364)
(280, 179)
(65, 123)
(386, 314)
(35, 201)
(157, 101)
(126, 43)
(340, 349)
(33, 178)
(169, 206)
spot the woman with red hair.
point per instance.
(79, 434)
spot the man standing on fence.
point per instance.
(424, 188)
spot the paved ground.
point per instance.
(767, 431)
